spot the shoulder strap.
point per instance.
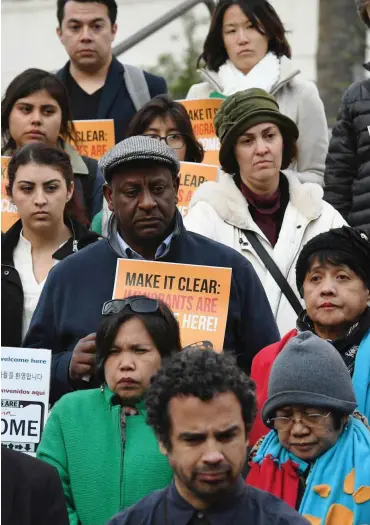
(136, 85)
(274, 271)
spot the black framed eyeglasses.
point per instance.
(173, 140)
(139, 305)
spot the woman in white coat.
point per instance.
(246, 48)
(257, 142)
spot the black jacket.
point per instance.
(347, 173)
(244, 504)
(31, 491)
(71, 302)
(11, 286)
(115, 101)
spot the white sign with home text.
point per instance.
(25, 386)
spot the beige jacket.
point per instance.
(219, 211)
(299, 99)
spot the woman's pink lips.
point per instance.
(263, 162)
(35, 133)
(328, 305)
(128, 381)
(303, 445)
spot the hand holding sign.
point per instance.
(83, 358)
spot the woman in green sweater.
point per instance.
(106, 455)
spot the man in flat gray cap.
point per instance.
(142, 179)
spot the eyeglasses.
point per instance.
(174, 140)
(139, 305)
(308, 420)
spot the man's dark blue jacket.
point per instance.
(244, 505)
(115, 101)
(71, 302)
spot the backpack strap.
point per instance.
(274, 271)
(137, 86)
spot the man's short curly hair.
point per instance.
(202, 374)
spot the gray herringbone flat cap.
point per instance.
(139, 148)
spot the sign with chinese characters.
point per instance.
(25, 383)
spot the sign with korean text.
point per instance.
(197, 295)
(94, 137)
(9, 214)
(192, 175)
(25, 383)
(202, 113)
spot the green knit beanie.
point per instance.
(243, 110)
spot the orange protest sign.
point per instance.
(197, 295)
(94, 137)
(192, 175)
(201, 113)
(9, 214)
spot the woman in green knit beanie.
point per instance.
(256, 200)
(107, 456)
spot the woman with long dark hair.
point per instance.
(41, 185)
(35, 109)
(245, 48)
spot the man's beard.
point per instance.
(215, 490)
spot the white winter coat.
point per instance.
(298, 99)
(219, 211)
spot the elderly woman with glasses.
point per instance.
(333, 278)
(107, 456)
(317, 455)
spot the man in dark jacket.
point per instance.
(201, 407)
(347, 173)
(142, 182)
(95, 80)
(31, 491)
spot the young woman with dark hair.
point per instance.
(35, 109)
(163, 119)
(122, 462)
(245, 48)
(41, 185)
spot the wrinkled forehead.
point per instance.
(189, 414)
(325, 262)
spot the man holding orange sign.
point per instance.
(142, 179)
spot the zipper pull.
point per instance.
(75, 246)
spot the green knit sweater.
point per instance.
(82, 439)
